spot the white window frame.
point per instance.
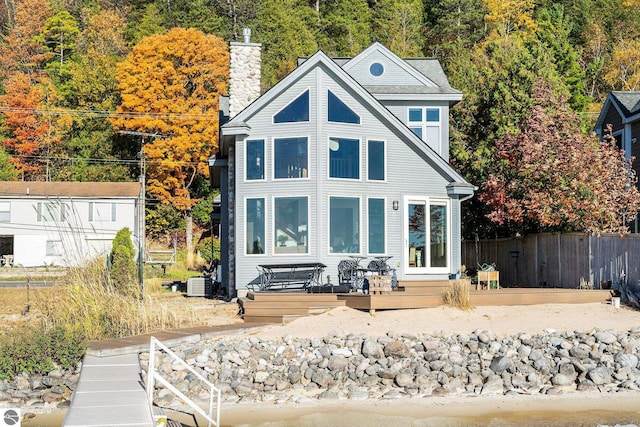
(44, 209)
(340, 98)
(428, 202)
(386, 162)
(113, 208)
(286, 104)
(384, 69)
(424, 125)
(246, 228)
(360, 226)
(53, 248)
(360, 159)
(273, 157)
(5, 211)
(274, 233)
(264, 159)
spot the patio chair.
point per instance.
(345, 271)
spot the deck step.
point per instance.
(279, 319)
(423, 286)
(270, 307)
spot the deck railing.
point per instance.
(153, 376)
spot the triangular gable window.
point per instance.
(296, 111)
(339, 112)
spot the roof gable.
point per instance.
(626, 104)
(629, 102)
(393, 65)
(238, 124)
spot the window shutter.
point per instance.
(39, 209)
(113, 211)
(90, 211)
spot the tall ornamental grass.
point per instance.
(92, 305)
(458, 294)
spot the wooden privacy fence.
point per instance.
(558, 260)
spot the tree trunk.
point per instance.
(189, 238)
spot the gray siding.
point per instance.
(407, 174)
(394, 75)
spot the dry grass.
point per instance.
(458, 295)
(88, 303)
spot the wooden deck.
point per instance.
(277, 307)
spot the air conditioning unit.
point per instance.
(199, 287)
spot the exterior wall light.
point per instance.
(395, 205)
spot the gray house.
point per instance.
(621, 110)
(342, 157)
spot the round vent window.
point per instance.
(376, 69)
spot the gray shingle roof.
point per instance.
(429, 67)
(629, 102)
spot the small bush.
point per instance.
(39, 351)
(123, 265)
(209, 249)
(458, 294)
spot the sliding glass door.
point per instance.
(427, 235)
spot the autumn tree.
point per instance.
(29, 135)
(20, 50)
(623, 71)
(90, 91)
(551, 177)
(170, 86)
(505, 17)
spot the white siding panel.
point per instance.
(74, 233)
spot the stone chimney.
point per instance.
(244, 73)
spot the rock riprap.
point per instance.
(358, 366)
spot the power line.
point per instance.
(109, 114)
(99, 161)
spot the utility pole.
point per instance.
(141, 204)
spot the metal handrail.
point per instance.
(152, 376)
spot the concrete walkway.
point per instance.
(110, 391)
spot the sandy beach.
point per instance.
(501, 320)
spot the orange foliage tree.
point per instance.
(170, 86)
(27, 89)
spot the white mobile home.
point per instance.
(63, 223)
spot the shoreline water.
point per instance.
(571, 409)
